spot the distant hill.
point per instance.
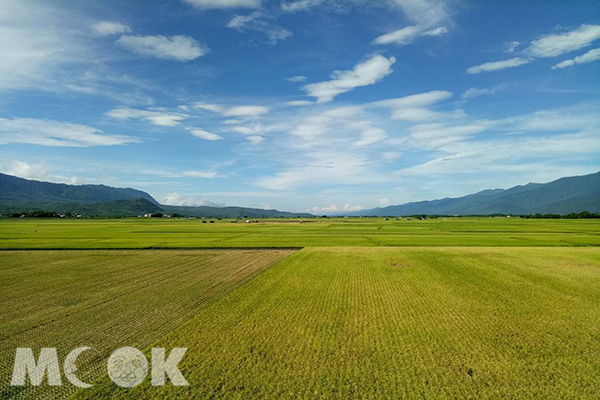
(18, 189)
(563, 196)
(18, 195)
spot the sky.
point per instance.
(326, 106)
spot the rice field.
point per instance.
(106, 300)
(137, 233)
(344, 309)
(426, 322)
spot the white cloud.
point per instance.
(210, 107)
(555, 45)
(498, 65)
(508, 154)
(246, 111)
(176, 199)
(202, 134)
(473, 92)
(296, 79)
(413, 108)
(38, 41)
(299, 103)
(322, 168)
(407, 35)
(156, 117)
(350, 208)
(384, 202)
(235, 111)
(366, 73)
(400, 37)
(590, 56)
(76, 180)
(436, 135)
(426, 12)
(260, 22)
(370, 135)
(231, 122)
(512, 46)
(255, 139)
(300, 5)
(224, 4)
(106, 28)
(442, 30)
(22, 169)
(414, 100)
(328, 209)
(244, 130)
(576, 118)
(200, 174)
(547, 46)
(514, 152)
(180, 48)
(391, 155)
(54, 133)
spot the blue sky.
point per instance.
(319, 105)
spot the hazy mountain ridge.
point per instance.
(18, 195)
(563, 196)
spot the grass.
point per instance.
(398, 323)
(169, 233)
(106, 300)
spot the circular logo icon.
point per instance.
(127, 367)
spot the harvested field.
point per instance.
(108, 299)
(346, 323)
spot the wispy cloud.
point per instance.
(590, 56)
(260, 22)
(558, 44)
(407, 35)
(474, 92)
(179, 48)
(499, 65)
(366, 73)
(158, 117)
(224, 4)
(200, 174)
(296, 79)
(106, 28)
(57, 134)
(547, 46)
(202, 134)
(234, 111)
(36, 171)
(176, 199)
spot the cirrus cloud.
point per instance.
(56, 134)
(366, 73)
(590, 56)
(179, 48)
(224, 4)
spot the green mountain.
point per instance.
(19, 195)
(19, 189)
(563, 196)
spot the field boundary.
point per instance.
(145, 248)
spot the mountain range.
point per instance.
(563, 196)
(18, 195)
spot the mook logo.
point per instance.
(126, 367)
